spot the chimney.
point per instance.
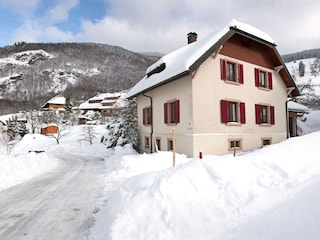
(192, 37)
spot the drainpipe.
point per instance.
(151, 134)
(287, 119)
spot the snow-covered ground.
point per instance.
(264, 194)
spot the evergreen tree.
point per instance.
(22, 129)
(12, 128)
(301, 69)
(123, 129)
(68, 105)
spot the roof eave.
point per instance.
(184, 73)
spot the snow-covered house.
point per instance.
(226, 91)
(58, 102)
(105, 103)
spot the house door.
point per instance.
(292, 127)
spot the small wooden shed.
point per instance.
(51, 129)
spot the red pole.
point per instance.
(200, 155)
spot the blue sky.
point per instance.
(158, 26)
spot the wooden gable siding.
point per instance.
(248, 50)
(55, 106)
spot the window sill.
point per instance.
(233, 124)
(232, 82)
(264, 89)
(171, 124)
(265, 125)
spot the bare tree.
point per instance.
(88, 133)
(5, 142)
(60, 129)
(34, 120)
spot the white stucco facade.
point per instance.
(200, 127)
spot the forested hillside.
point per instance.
(32, 73)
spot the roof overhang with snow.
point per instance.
(188, 58)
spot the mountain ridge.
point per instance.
(32, 73)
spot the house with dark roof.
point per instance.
(225, 92)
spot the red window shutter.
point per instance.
(224, 111)
(257, 77)
(223, 69)
(270, 80)
(272, 115)
(177, 111)
(166, 113)
(240, 73)
(149, 115)
(258, 113)
(144, 116)
(242, 113)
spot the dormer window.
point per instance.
(158, 69)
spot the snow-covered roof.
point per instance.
(120, 102)
(181, 61)
(103, 96)
(60, 100)
(297, 107)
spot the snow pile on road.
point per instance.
(24, 165)
(203, 199)
(34, 154)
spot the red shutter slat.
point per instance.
(223, 69)
(224, 111)
(242, 113)
(272, 115)
(258, 113)
(270, 80)
(240, 73)
(257, 77)
(166, 113)
(177, 111)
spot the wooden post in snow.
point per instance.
(155, 142)
(174, 146)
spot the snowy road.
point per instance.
(58, 205)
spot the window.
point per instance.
(146, 142)
(266, 141)
(231, 71)
(170, 144)
(234, 144)
(147, 116)
(232, 111)
(158, 142)
(263, 79)
(172, 112)
(264, 114)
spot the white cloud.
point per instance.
(24, 8)
(144, 25)
(60, 11)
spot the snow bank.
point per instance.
(17, 169)
(24, 163)
(203, 199)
